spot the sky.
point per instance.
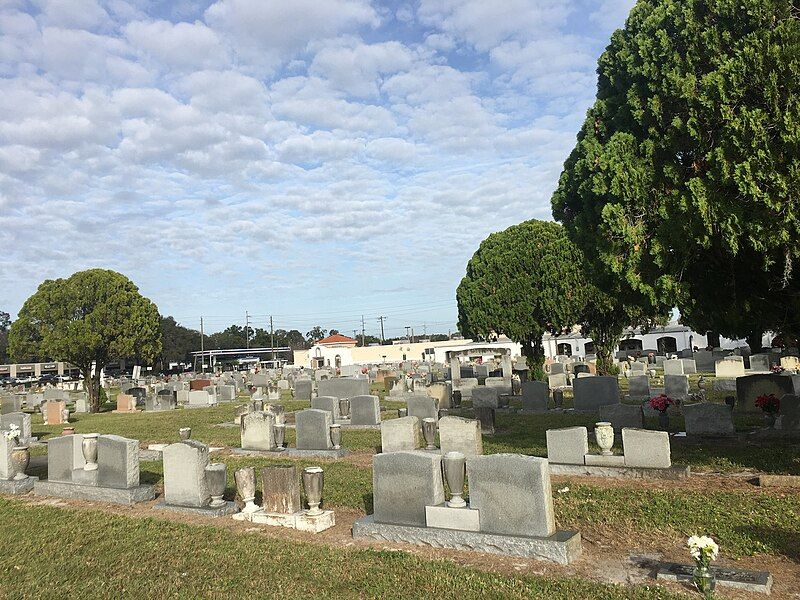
(314, 160)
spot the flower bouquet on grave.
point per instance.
(770, 404)
(661, 403)
(777, 369)
(703, 550)
(13, 433)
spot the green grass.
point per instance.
(69, 553)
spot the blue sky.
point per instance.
(315, 160)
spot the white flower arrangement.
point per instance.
(703, 549)
(12, 433)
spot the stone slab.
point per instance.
(567, 445)
(790, 481)
(448, 517)
(751, 581)
(301, 520)
(646, 449)
(400, 434)
(129, 496)
(590, 393)
(622, 415)
(674, 473)
(206, 511)
(293, 453)
(707, 419)
(563, 547)
(457, 434)
(17, 486)
(403, 484)
(599, 460)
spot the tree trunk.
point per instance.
(605, 340)
(754, 341)
(533, 351)
(92, 383)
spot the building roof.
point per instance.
(337, 339)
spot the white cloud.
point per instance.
(181, 46)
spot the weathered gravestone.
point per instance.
(707, 419)
(590, 393)
(676, 386)
(302, 389)
(750, 387)
(401, 434)
(486, 415)
(442, 392)
(639, 387)
(535, 395)
(457, 434)
(423, 407)
(557, 380)
(673, 367)
(365, 410)
(22, 421)
(790, 412)
(403, 484)
(689, 366)
(568, 445)
(729, 366)
(501, 384)
(622, 415)
(258, 431)
(485, 397)
(760, 362)
(281, 489)
(329, 403)
(55, 412)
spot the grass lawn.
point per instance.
(70, 553)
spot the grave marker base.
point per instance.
(563, 547)
(294, 453)
(207, 511)
(673, 473)
(752, 581)
(300, 520)
(17, 486)
(129, 496)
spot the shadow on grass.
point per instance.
(369, 506)
(778, 539)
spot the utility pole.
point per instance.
(424, 330)
(412, 335)
(407, 336)
(382, 319)
(247, 329)
(355, 334)
(202, 347)
(363, 342)
(272, 340)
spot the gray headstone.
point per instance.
(457, 434)
(329, 403)
(501, 384)
(760, 362)
(557, 368)
(6, 467)
(673, 367)
(258, 431)
(21, 420)
(729, 366)
(557, 380)
(622, 415)
(403, 484)
(750, 387)
(341, 387)
(117, 462)
(590, 393)
(790, 412)
(639, 387)
(646, 449)
(706, 418)
(485, 397)
(705, 361)
(365, 410)
(401, 434)
(184, 474)
(567, 445)
(62, 457)
(676, 386)
(689, 366)
(313, 429)
(423, 407)
(535, 395)
(302, 389)
(512, 493)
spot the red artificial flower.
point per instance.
(661, 403)
(769, 403)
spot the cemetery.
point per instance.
(436, 299)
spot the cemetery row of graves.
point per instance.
(485, 480)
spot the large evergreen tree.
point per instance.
(523, 282)
(90, 319)
(685, 181)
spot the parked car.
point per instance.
(48, 378)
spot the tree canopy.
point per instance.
(685, 179)
(95, 316)
(523, 282)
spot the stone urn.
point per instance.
(68, 431)
(604, 435)
(769, 420)
(336, 436)
(313, 481)
(185, 433)
(344, 408)
(246, 486)
(429, 432)
(558, 398)
(216, 478)
(20, 458)
(258, 405)
(89, 449)
(279, 431)
(454, 465)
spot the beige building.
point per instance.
(339, 350)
